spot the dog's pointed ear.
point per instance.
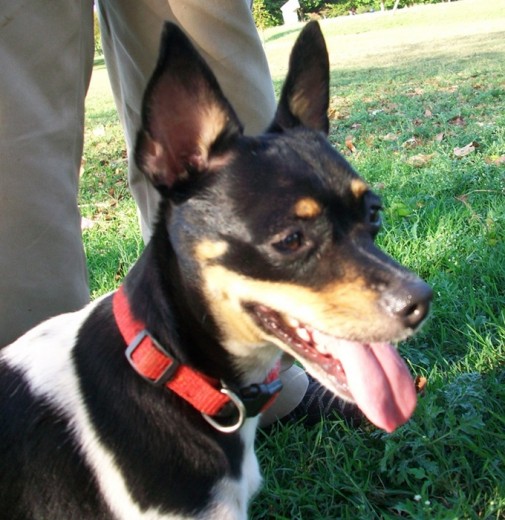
(186, 120)
(305, 95)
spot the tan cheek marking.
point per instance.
(307, 208)
(360, 317)
(358, 187)
(208, 250)
(354, 297)
(345, 310)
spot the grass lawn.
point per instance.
(418, 107)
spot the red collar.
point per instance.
(151, 361)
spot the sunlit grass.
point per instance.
(407, 91)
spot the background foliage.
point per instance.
(267, 13)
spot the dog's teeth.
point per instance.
(273, 325)
(303, 334)
(293, 322)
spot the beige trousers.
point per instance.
(46, 60)
(224, 33)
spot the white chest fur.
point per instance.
(44, 355)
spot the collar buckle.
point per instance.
(167, 372)
(259, 396)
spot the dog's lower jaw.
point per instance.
(256, 361)
(370, 374)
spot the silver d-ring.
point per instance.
(241, 414)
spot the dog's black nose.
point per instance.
(409, 302)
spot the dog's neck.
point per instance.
(158, 297)
(211, 397)
(176, 314)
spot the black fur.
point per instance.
(230, 215)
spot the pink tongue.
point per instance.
(378, 380)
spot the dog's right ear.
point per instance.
(305, 95)
(186, 120)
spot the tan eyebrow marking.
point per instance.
(358, 187)
(308, 208)
(208, 250)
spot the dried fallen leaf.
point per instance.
(440, 137)
(420, 160)
(349, 144)
(428, 113)
(418, 91)
(337, 108)
(390, 137)
(421, 383)
(87, 223)
(411, 143)
(465, 150)
(497, 161)
(333, 113)
(99, 131)
(458, 121)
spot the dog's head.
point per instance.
(276, 233)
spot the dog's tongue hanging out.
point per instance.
(377, 378)
(380, 384)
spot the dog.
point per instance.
(144, 404)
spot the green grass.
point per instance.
(406, 91)
(113, 241)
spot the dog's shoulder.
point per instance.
(42, 357)
(41, 402)
(59, 432)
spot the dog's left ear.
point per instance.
(186, 120)
(306, 92)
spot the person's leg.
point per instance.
(224, 33)
(46, 56)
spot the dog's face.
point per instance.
(276, 233)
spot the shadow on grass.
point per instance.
(96, 117)
(282, 34)
(99, 62)
(419, 70)
(412, 71)
(409, 62)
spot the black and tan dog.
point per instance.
(262, 245)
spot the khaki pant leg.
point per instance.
(46, 56)
(225, 34)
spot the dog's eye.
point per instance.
(291, 242)
(374, 216)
